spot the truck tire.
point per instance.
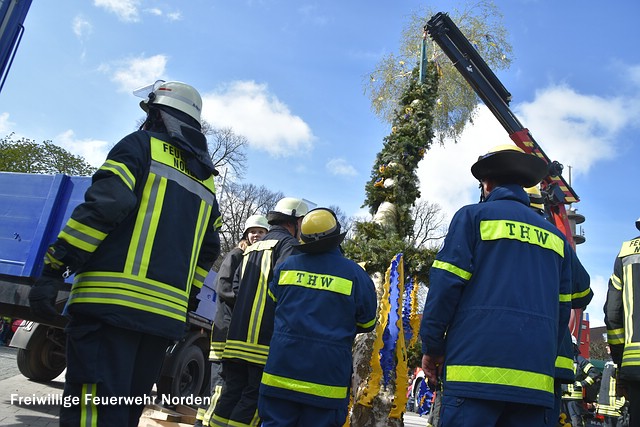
(45, 358)
(189, 368)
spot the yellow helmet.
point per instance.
(511, 164)
(320, 231)
(177, 95)
(535, 197)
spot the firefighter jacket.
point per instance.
(252, 320)
(608, 404)
(581, 295)
(586, 376)
(145, 237)
(322, 301)
(224, 302)
(503, 275)
(622, 311)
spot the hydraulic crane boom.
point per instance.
(495, 96)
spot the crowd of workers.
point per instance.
(495, 341)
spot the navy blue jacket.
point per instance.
(494, 308)
(322, 301)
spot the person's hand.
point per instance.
(432, 367)
(42, 297)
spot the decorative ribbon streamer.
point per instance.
(407, 310)
(401, 379)
(415, 314)
(373, 385)
(391, 333)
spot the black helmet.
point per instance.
(510, 163)
(320, 231)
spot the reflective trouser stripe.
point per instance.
(500, 376)
(88, 410)
(305, 387)
(217, 391)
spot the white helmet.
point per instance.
(177, 95)
(287, 209)
(255, 221)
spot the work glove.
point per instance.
(43, 294)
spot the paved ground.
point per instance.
(13, 386)
(17, 396)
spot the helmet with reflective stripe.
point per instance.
(288, 209)
(511, 165)
(320, 231)
(255, 221)
(535, 197)
(177, 95)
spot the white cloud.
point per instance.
(340, 166)
(126, 10)
(595, 308)
(252, 111)
(5, 124)
(94, 151)
(133, 73)
(81, 27)
(575, 129)
(174, 16)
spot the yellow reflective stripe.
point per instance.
(81, 235)
(135, 292)
(452, 269)
(251, 352)
(166, 154)
(122, 171)
(54, 262)
(261, 245)
(299, 386)
(88, 410)
(615, 281)
(628, 296)
(615, 336)
(260, 298)
(203, 218)
(565, 297)
(199, 276)
(271, 295)
(368, 324)
(629, 248)
(500, 376)
(146, 221)
(564, 363)
(322, 282)
(631, 355)
(578, 295)
(520, 231)
(217, 223)
(218, 421)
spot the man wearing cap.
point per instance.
(493, 319)
(623, 327)
(322, 300)
(245, 351)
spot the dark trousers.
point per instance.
(467, 412)
(276, 412)
(238, 403)
(633, 390)
(105, 365)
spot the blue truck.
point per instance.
(33, 209)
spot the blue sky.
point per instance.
(289, 76)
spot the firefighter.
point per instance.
(581, 295)
(623, 327)
(140, 247)
(255, 227)
(498, 276)
(251, 326)
(609, 405)
(322, 300)
(576, 394)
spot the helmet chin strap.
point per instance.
(482, 198)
